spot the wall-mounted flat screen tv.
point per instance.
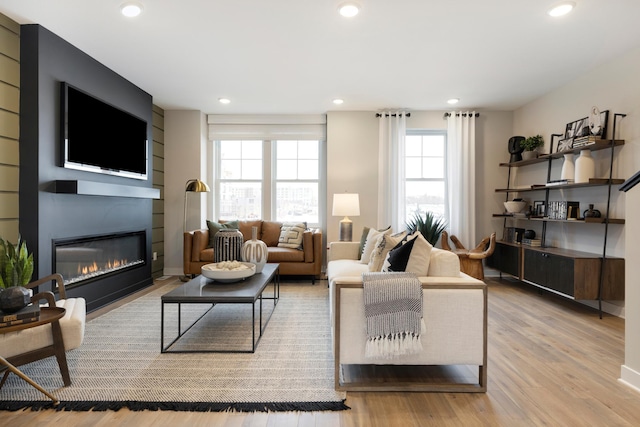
(98, 137)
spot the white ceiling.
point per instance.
(295, 56)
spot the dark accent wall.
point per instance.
(47, 60)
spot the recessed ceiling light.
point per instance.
(561, 9)
(224, 100)
(131, 9)
(338, 101)
(349, 10)
(453, 101)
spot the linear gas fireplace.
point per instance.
(85, 259)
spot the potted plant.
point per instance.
(16, 269)
(530, 145)
(431, 226)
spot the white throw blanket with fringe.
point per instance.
(393, 313)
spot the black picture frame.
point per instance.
(604, 120)
(577, 128)
(539, 208)
(564, 145)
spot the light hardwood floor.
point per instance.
(552, 362)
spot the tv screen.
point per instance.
(99, 137)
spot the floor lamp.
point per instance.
(192, 186)
(346, 204)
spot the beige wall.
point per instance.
(352, 164)
(612, 86)
(9, 127)
(186, 157)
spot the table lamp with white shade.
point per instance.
(346, 204)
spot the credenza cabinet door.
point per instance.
(549, 270)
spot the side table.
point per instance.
(47, 315)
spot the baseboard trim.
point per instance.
(630, 378)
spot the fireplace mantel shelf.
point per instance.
(92, 188)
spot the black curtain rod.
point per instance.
(392, 115)
(460, 114)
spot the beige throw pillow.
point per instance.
(291, 235)
(372, 238)
(383, 245)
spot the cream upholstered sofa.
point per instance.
(454, 310)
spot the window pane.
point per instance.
(230, 149)
(423, 196)
(297, 201)
(287, 149)
(434, 145)
(413, 167)
(252, 149)
(308, 149)
(252, 169)
(240, 200)
(287, 169)
(413, 145)
(308, 169)
(432, 167)
(230, 169)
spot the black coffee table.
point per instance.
(202, 290)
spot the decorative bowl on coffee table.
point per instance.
(219, 273)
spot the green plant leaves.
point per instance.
(431, 226)
(16, 264)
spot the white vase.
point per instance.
(255, 251)
(568, 168)
(585, 167)
(529, 155)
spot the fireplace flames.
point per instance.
(90, 271)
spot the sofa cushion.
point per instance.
(370, 244)
(277, 254)
(271, 232)
(363, 238)
(413, 256)
(420, 258)
(444, 263)
(214, 227)
(384, 244)
(246, 228)
(291, 235)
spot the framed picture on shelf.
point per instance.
(577, 128)
(539, 209)
(564, 145)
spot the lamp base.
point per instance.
(346, 230)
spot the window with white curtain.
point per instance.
(425, 172)
(269, 179)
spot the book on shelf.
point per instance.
(28, 312)
(559, 182)
(586, 140)
(532, 242)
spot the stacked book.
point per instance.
(28, 314)
(585, 140)
(532, 242)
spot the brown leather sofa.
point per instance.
(293, 262)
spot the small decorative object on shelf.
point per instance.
(585, 167)
(591, 213)
(255, 251)
(568, 168)
(531, 145)
(515, 149)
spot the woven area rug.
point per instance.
(120, 365)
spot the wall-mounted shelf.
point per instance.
(92, 188)
(570, 273)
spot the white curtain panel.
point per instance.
(391, 175)
(461, 172)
